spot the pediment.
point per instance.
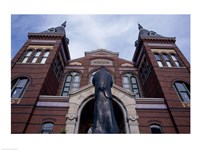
(101, 52)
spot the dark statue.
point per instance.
(104, 119)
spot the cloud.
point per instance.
(113, 32)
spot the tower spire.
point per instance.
(64, 24)
(140, 27)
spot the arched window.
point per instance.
(44, 57)
(36, 56)
(26, 57)
(158, 59)
(183, 90)
(167, 60)
(156, 129)
(130, 84)
(18, 87)
(72, 83)
(47, 128)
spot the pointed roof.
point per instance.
(145, 32)
(150, 36)
(60, 29)
(101, 52)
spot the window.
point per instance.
(28, 54)
(130, 84)
(47, 128)
(36, 56)
(58, 67)
(72, 83)
(44, 57)
(155, 129)
(159, 60)
(36, 53)
(167, 60)
(18, 87)
(175, 60)
(183, 90)
(145, 70)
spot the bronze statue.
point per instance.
(104, 119)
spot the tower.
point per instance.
(164, 72)
(36, 70)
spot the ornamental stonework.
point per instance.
(100, 62)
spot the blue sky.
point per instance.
(116, 33)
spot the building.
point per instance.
(52, 93)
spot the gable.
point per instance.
(101, 52)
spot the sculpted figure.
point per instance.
(104, 119)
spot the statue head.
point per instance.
(102, 67)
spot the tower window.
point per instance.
(130, 84)
(28, 54)
(18, 87)
(58, 67)
(159, 60)
(175, 60)
(72, 83)
(144, 70)
(47, 128)
(36, 56)
(167, 60)
(155, 129)
(183, 90)
(44, 57)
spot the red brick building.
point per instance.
(52, 93)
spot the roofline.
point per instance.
(100, 50)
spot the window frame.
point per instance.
(179, 92)
(71, 87)
(15, 85)
(36, 56)
(130, 85)
(44, 57)
(158, 59)
(167, 60)
(26, 56)
(176, 60)
(47, 130)
(156, 126)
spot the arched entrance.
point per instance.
(86, 117)
(81, 108)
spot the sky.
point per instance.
(116, 33)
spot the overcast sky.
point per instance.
(116, 33)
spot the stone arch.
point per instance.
(122, 98)
(85, 122)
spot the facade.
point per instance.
(52, 93)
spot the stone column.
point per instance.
(133, 124)
(71, 123)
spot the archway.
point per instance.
(86, 117)
(81, 108)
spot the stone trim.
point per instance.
(52, 104)
(151, 106)
(79, 98)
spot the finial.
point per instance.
(139, 26)
(64, 24)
